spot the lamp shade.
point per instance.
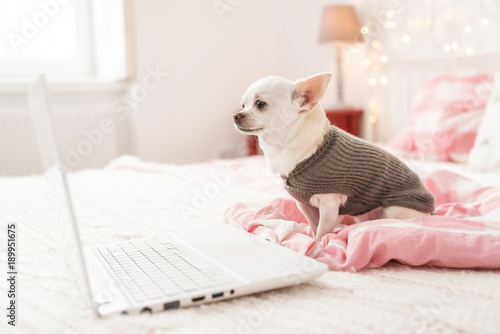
(339, 24)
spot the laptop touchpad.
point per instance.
(254, 260)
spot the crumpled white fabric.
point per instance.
(282, 228)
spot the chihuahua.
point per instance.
(329, 172)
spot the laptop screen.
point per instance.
(55, 171)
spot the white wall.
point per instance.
(211, 62)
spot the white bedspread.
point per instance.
(132, 199)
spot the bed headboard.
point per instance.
(408, 42)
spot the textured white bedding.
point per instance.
(131, 199)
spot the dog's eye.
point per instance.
(260, 104)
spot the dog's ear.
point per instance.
(310, 90)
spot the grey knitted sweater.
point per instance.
(368, 175)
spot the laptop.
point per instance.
(179, 269)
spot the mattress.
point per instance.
(131, 199)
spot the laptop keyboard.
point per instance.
(155, 268)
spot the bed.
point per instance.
(131, 198)
(388, 288)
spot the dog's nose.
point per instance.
(238, 116)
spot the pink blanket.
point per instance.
(464, 233)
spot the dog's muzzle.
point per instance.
(244, 123)
(238, 116)
(240, 120)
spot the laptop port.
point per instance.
(217, 295)
(198, 299)
(171, 305)
(146, 310)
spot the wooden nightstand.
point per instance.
(345, 119)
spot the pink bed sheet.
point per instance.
(464, 233)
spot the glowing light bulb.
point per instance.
(467, 29)
(447, 47)
(383, 80)
(367, 62)
(485, 21)
(406, 39)
(454, 46)
(384, 58)
(365, 30)
(376, 44)
(373, 119)
(469, 50)
(372, 81)
(390, 25)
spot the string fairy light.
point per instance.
(390, 25)
(456, 41)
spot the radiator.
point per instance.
(88, 139)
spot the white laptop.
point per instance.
(179, 269)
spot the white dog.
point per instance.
(329, 172)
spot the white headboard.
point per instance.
(409, 42)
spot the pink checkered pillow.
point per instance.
(445, 118)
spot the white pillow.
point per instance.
(485, 154)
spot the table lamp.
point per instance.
(340, 25)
